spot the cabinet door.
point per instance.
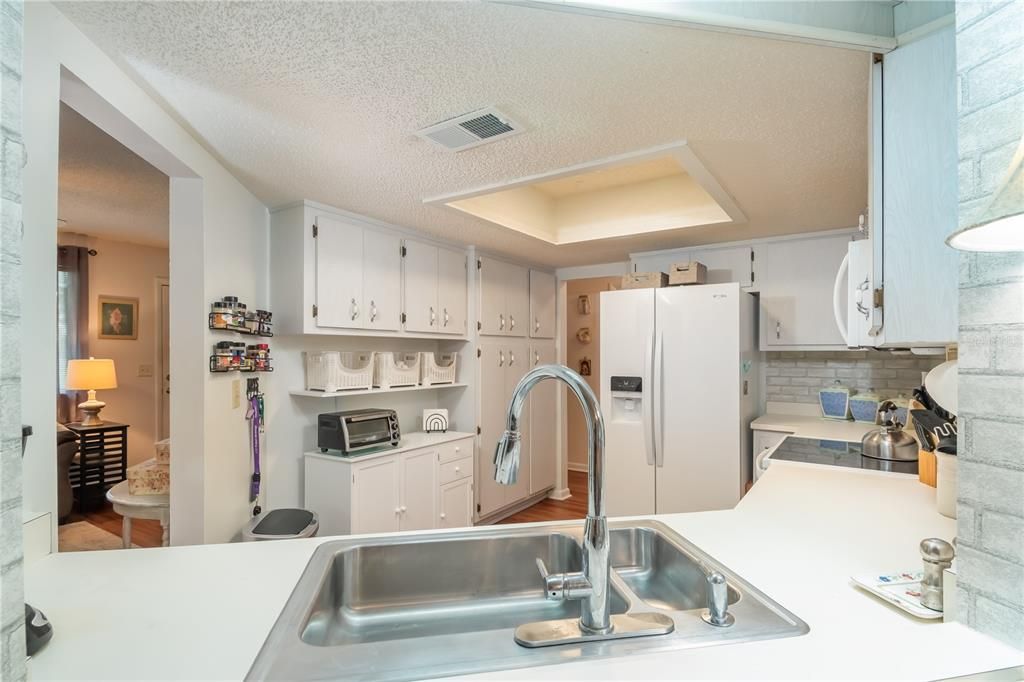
(382, 268)
(727, 265)
(421, 281)
(796, 294)
(419, 488)
(493, 285)
(375, 501)
(517, 299)
(542, 305)
(339, 273)
(493, 404)
(452, 299)
(455, 503)
(518, 365)
(920, 272)
(543, 442)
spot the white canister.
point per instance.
(945, 484)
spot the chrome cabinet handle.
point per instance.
(404, 510)
(501, 322)
(536, 324)
(457, 469)
(445, 317)
(373, 311)
(433, 317)
(501, 358)
(511, 358)
(398, 510)
(443, 515)
(536, 358)
(511, 322)
(355, 309)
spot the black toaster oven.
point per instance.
(355, 431)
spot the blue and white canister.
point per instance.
(835, 401)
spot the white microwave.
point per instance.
(852, 295)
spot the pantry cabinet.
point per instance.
(542, 305)
(426, 483)
(797, 282)
(504, 298)
(434, 284)
(543, 422)
(334, 273)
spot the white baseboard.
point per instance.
(573, 466)
(560, 495)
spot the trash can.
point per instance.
(281, 524)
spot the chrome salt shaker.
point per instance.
(938, 556)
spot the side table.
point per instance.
(102, 461)
(156, 507)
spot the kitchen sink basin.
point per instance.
(435, 605)
(385, 592)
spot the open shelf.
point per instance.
(374, 391)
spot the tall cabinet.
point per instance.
(517, 329)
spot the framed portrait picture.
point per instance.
(119, 318)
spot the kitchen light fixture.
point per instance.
(91, 375)
(1000, 226)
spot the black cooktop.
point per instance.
(835, 453)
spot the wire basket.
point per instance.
(331, 371)
(437, 368)
(391, 370)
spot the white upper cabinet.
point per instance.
(797, 281)
(435, 289)
(335, 274)
(542, 305)
(919, 178)
(504, 298)
(452, 291)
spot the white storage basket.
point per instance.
(331, 371)
(391, 370)
(437, 368)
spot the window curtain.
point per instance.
(72, 323)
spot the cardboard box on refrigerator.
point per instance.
(690, 272)
(644, 280)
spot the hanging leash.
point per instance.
(255, 415)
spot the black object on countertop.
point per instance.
(38, 630)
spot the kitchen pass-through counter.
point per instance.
(202, 612)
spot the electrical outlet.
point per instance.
(145, 370)
(236, 394)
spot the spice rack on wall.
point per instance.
(230, 315)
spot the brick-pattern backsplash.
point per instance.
(796, 377)
(990, 509)
(12, 610)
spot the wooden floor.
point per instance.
(573, 509)
(145, 532)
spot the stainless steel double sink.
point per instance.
(425, 606)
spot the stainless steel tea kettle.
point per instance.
(890, 442)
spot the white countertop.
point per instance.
(409, 441)
(204, 611)
(813, 427)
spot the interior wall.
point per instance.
(218, 246)
(576, 351)
(128, 270)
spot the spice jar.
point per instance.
(259, 356)
(222, 315)
(237, 355)
(263, 316)
(252, 323)
(222, 355)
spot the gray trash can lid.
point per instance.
(284, 522)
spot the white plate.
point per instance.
(941, 386)
(900, 589)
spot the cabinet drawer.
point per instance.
(446, 452)
(455, 470)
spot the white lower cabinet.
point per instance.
(416, 487)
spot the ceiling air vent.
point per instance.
(471, 130)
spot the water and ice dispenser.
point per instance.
(627, 398)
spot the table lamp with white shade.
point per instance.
(91, 375)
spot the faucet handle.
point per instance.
(542, 568)
(717, 613)
(559, 586)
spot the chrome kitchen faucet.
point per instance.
(593, 583)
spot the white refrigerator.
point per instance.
(679, 383)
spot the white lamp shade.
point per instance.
(1001, 234)
(91, 375)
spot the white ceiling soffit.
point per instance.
(662, 188)
(852, 24)
(783, 125)
(105, 190)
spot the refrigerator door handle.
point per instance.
(647, 404)
(659, 403)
